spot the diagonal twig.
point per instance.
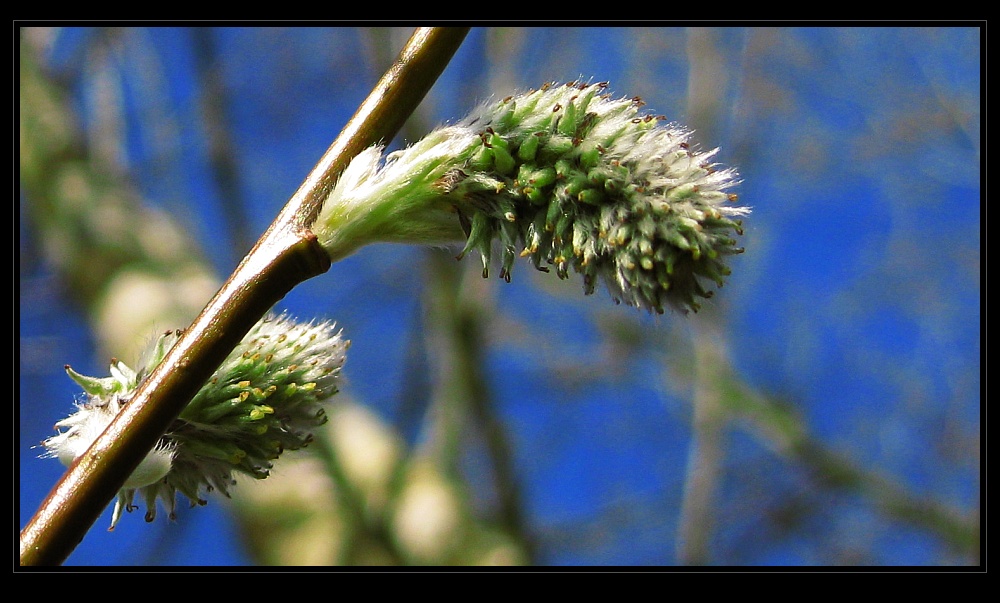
(285, 255)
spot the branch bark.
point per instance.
(285, 255)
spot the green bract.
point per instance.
(266, 397)
(564, 175)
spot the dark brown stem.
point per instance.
(285, 255)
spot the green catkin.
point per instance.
(265, 398)
(566, 176)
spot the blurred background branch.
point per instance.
(112, 250)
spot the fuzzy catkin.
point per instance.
(267, 397)
(564, 175)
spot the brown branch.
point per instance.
(285, 255)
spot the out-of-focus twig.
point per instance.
(468, 395)
(706, 84)
(221, 150)
(107, 246)
(706, 454)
